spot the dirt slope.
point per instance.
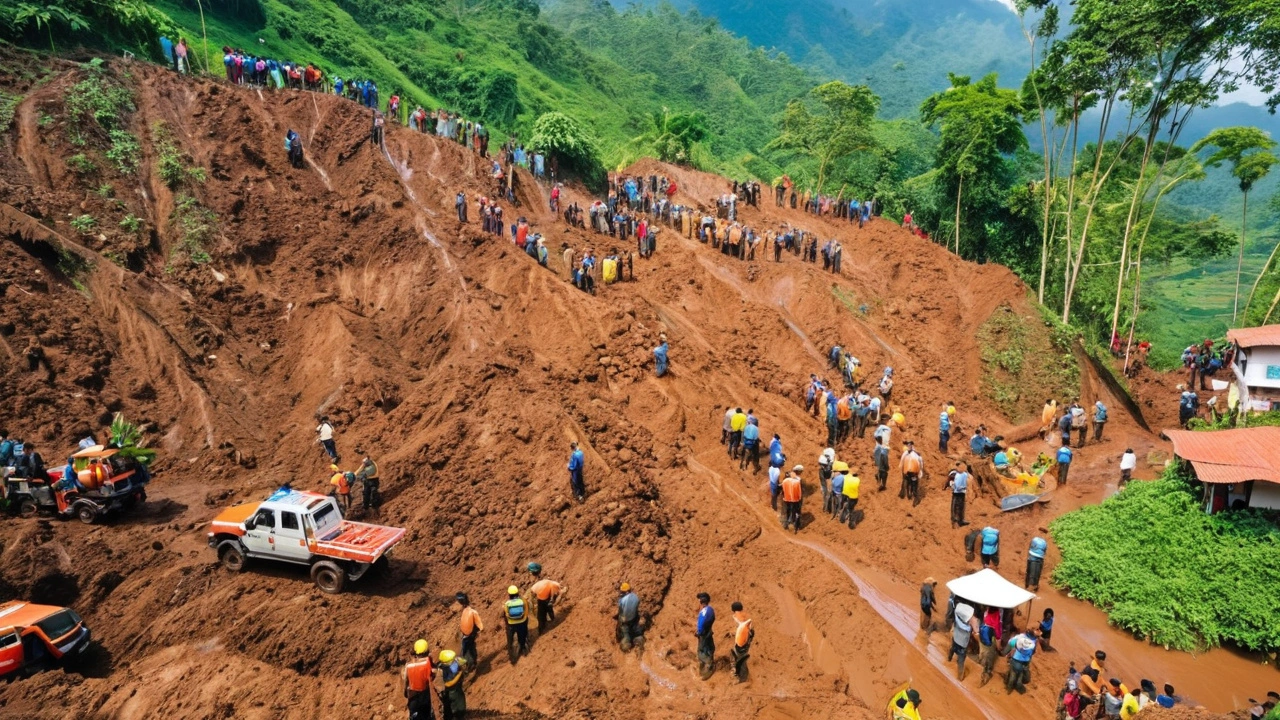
(348, 288)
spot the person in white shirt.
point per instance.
(325, 433)
(1128, 462)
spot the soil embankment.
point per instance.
(348, 288)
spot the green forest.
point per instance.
(1078, 178)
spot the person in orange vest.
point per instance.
(341, 487)
(543, 594)
(912, 466)
(415, 682)
(743, 634)
(470, 626)
(791, 493)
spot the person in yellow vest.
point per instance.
(415, 682)
(737, 423)
(453, 700)
(905, 705)
(849, 508)
(470, 626)
(743, 634)
(516, 614)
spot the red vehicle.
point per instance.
(37, 637)
(104, 483)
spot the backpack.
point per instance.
(1101, 415)
(886, 384)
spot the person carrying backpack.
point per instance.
(1099, 420)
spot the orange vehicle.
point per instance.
(37, 637)
(303, 528)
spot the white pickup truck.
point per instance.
(303, 528)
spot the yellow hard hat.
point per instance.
(625, 587)
(840, 466)
(333, 468)
(447, 656)
(513, 590)
(421, 647)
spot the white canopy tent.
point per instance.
(986, 587)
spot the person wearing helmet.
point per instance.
(835, 501)
(825, 460)
(470, 626)
(415, 682)
(516, 614)
(368, 477)
(341, 488)
(543, 595)
(629, 630)
(453, 700)
(905, 705)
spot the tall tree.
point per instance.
(980, 124)
(835, 121)
(1248, 149)
(1035, 101)
(673, 135)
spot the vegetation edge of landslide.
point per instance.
(1166, 571)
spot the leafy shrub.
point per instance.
(124, 152)
(84, 224)
(170, 163)
(100, 100)
(198, 225)
(1160, 567)
(8, 104)
(562, 137)
(132, 24)
(131, 223)
(105, 190)
(80, 164)
(128, 438)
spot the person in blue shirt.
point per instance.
(1046, 629)
(6, 449)
(777, 458)
(751, 444)
(1064, 464)
(833, 422)
(835, 501)
(1022, 648)
(706, 639)
(944, 429)
(166, 47)
(1167, 699)
(990, 550)
(958, 482)
(989, 650)
(576, 461)
(660, 360)
(1035, 563)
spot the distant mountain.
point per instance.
(902, 48)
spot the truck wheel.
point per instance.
(233, 557)
(27, 508)
(328, 576)
(87, 514)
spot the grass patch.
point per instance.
(8, 106)
(850, 302)
(81, 165)
(131, 223)
(84, 224)
(124, 152)
(1167, 572)
(198, 224)
(73, 267)
(171, 165)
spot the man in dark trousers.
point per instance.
(958, 482)
(706, 640)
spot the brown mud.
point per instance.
(348, 288)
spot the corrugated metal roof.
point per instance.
(1255, 336)
(1230, 456)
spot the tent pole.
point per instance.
(1030, 603)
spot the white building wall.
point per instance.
(1265, 495)
(1258, 360)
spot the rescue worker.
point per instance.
(944, 428)
(737, 423)
(958, 482)
(848, 509)
(743, 634)
(836, 499)
(880, 455)
(906, 705)
(706, 640)
(791, 493)
(629, 630)
(415, 682)
(825, 460)
(928, 600)
(1099, 420)
(324, 435)
(368, 477)
(990, 650)
(1022, 647)
(912, 466)
(1035, 563)
(453, 699)
(576, 461)
(516, 613)
(544, 594)
(990, 550)
(750, 446)
(1064, 463)
(341, 488)
(470, 626)
(962, 632)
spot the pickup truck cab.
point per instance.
(37, 637)
(303, 528)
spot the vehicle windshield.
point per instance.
(59, 624)
(325, 518)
